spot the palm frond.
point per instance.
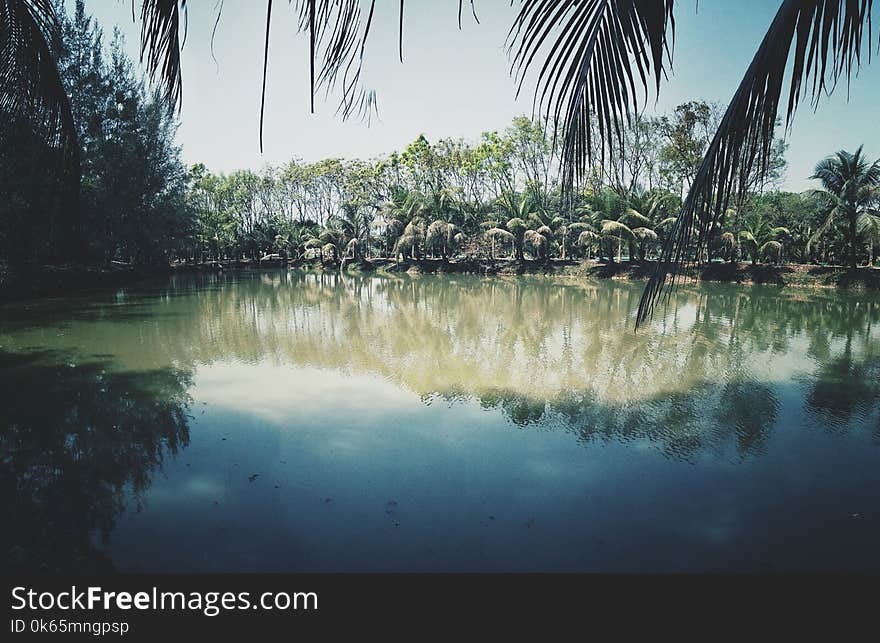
(747, 236)
(869, 225)
(822, 229)
(578, 227)
(612, 228)
(587, 237)
(644, 233)
(599, 56)
(826, 38)
(338, 33)
(500, 234)
(160, 45)
(31, 89)
(635, 215)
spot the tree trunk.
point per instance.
(852, 242)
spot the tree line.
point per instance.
(500, 196)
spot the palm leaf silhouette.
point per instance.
(30, 85)
(160, 44)
(598, 56)
(822, 41)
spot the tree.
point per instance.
(599, 58)
(131, 181)
(517, 227)
(850, 189)
(761, 239)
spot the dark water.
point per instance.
(291, 422)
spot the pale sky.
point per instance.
(452, 83)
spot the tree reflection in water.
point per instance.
(709, 377)
(77, 438)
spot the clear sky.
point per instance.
(452, 83)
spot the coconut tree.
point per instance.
(352, 250)
(869, 229)
(442, 237)
(850, 189)
(594, 61)
(410, 243)
(761, 239)
(568, 235)
(398, 213)
(497, 236)
(329, 253)
(637, 237)
(354, 222)
(729, 246)
(586, 239)
(517, 227)
(538, 241)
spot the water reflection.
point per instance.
(77, 439)
(539, 351)
(96, 394)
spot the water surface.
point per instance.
(299, 422)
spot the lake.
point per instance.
(291, 421)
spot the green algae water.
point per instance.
(287, 421)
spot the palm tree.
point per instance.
(636, 236)
(539, 240)
(850, 189)
(597, 60)
(761, 239)
(409, 244)
(869, 228)
(586, 239)
(399, 212)
(517, 227)
(442, 236)
(729, 245)
(499, 235)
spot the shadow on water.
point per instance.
(77, 439)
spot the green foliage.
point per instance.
(501, 194)
(849, 194)
(131, 206)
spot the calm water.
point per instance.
(287, 421)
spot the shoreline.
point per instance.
(783, 275)
(54, 281)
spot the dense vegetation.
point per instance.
(497, 197)
(502, 196)
(128, 200)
